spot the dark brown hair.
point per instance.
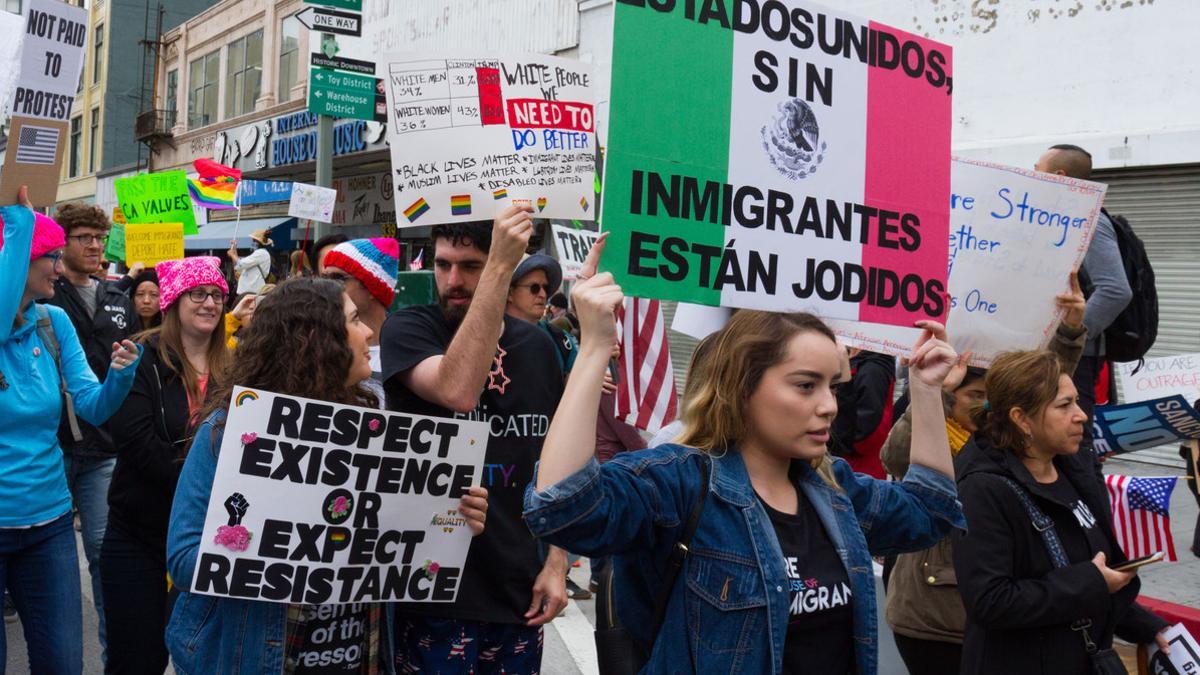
(297, 345)
(74, 215)
(1026, 381)
(173, 356)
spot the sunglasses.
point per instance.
(534, 289)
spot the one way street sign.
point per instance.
(331, 21)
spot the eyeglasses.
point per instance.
(534, 289)
(55, 258)
(198, 296)
(89, 239)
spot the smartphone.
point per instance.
(1139, 562)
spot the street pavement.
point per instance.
(569, 649)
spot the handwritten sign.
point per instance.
(752, 166)
(1184, 657)
(114, 247)
(157, 198)
(153, 243)
(1146, 424)
(337, 504)
(573, 246)
(1006, 224)
(469, 133)
(312, 202)
(1161, 377)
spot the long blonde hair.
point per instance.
(730, 371)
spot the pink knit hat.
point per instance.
(47, 236)
(176, 277)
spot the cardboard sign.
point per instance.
(1146, 424)
(319, 503)
(12, 30)
(114, 247)
(312, 202)
(754, 166)
(573, 247)
(34, 159)
(153, 243)
(157, 198)
(1006, 224)
(1184, 657)
(471, 133)
(1162, 377)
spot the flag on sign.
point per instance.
(37, 145)
(646, 396)
(1141, 518)
(418, 263)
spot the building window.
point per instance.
(243, 74)
(76, 145)
(289, 57)
(93, 140)
(172, 102)
(97, 54)
(13, 6)
(202, 90)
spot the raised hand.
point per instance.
(473, 506)
(236, 506)
(510, 235)
(125, 353)
(932, 356)
(595, 301)
(592, 261)
(1072, 304)
(957, 372)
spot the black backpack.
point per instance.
(1133, 332)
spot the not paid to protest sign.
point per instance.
(1015, 235)
(753, 165)
(51, 60)
(470, 133)
(319, 503)
(1145, 424)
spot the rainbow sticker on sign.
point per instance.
(244, 397)
(502, 193)
(541, 202)
(460, 205)
(584, 203)
(416, 210)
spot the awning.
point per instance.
(216, 235)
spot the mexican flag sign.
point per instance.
(778, 155)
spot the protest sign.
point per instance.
(157, 198)
(337, 503)
(1161, 377)
(264, 191)
(152, 243)
(51, 59)
(312, 202)
(114, 246)
(1183, 657)
(755, 166)
(573, 246)
(1006, 223)
(469, 134)
(1146, 424)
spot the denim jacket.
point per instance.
(207, 634)
(729, 608)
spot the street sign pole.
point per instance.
(324, 164)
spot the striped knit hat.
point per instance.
(374, 262)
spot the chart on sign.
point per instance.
(470, 135)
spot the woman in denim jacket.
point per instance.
(778, 575)
(310, 321)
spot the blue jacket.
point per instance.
(207, 634)
(635, 505)
(32, 481)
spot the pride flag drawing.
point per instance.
(460, 205)
(502, 193)
(416, 209)
(815, 171)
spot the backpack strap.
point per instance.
(680, 550)
(45, 329)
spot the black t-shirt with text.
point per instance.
(519, 397)
(820, 617)
(336, 640)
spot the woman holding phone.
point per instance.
(1037, 568)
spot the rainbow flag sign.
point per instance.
(215, 193)
(416, 210)
(794, 157)
(460, 205)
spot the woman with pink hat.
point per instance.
(42, 366)
(152, 434)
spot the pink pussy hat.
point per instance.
(176, 277)
(47, 234)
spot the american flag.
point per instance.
(646, 396)
(37, 145)
(1141, 518)
(418, 263)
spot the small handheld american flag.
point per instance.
(646, 394)
(1141, 514)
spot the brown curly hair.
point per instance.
(74, 215)
(1026, 380)
(297, 345)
